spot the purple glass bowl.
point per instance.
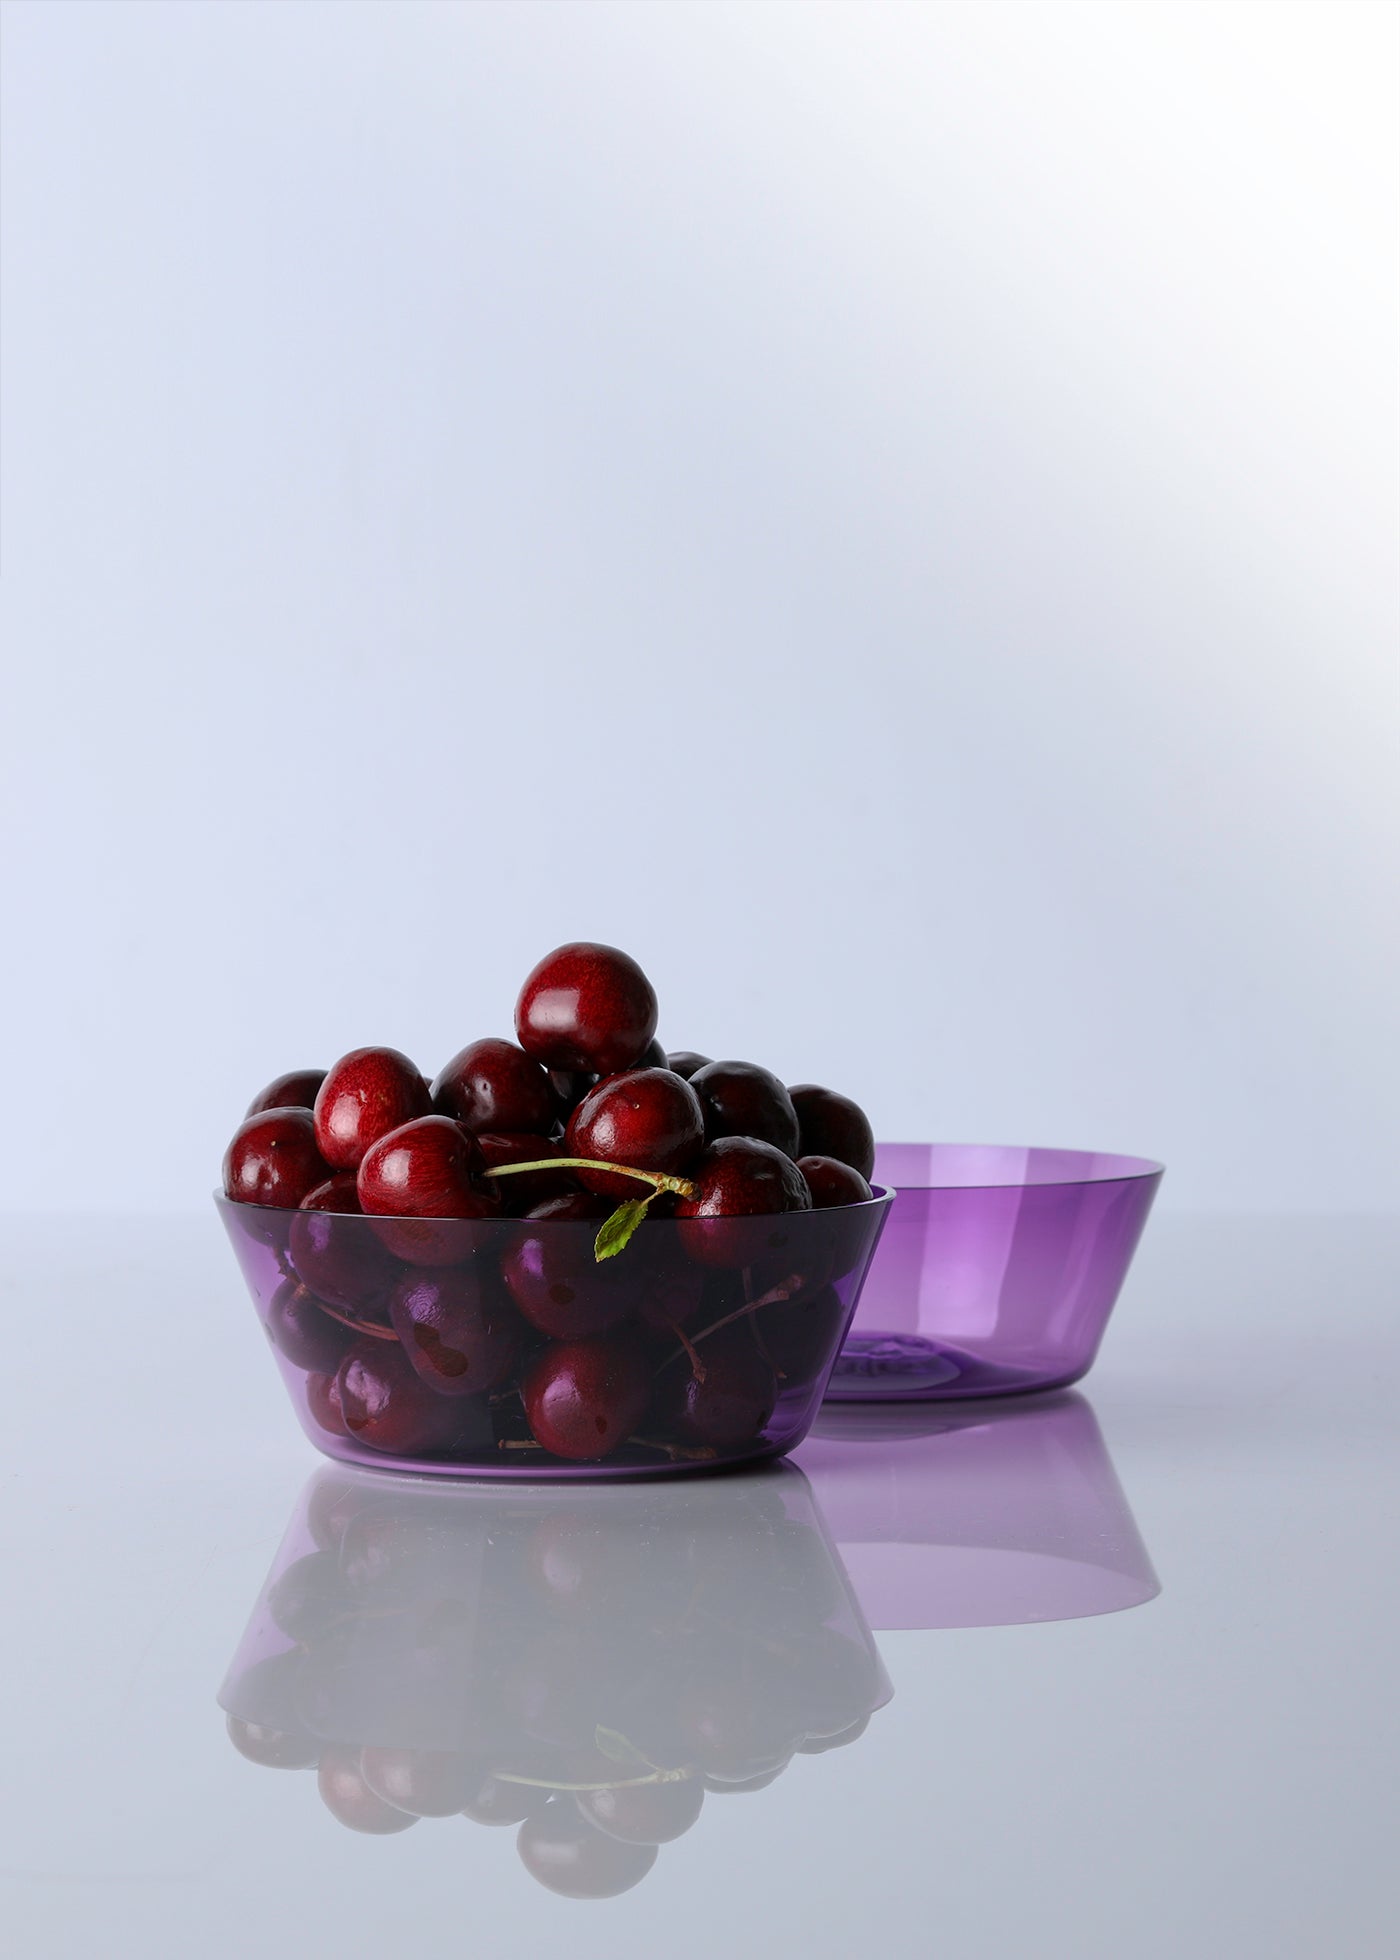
(413, 1342)
(996, 1273)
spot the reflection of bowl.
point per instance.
(414, 1342)
(997, 1270)
(985, 1516)
(588, 1665)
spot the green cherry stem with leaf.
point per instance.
(618, 1227)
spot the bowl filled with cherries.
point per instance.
(573, 1254)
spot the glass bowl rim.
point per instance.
(1134, 1169)
(881, 1196)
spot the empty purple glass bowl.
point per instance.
(443, 1345)
(996, 1272)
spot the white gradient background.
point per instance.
(888, 512)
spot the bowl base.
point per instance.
(876, 1367)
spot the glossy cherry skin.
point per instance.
(833, 1126)
(458, 1329)
(731, 1406)
(386, 1406)
(323, 1403)
(652, 1056)
(273, 1160)
(586, 1007)
(367, 1093)
(295, 1090)
(423, 1782)
(569, 1855)
(739, 1099)
(521, 1194)
(739, 1178)
(273, 1748)
(649, 1118)
(685, 1061)
(645, 1813)
(554, 1277)
(337, 1194)
(832, 1182)
(299, 1329)
(493, 1085)
(569, 1087)
(583, 1399)
(349, 1798)
(428, 1169)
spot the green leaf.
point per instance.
(615, 1231)
(613, 1744)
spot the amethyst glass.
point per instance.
(997, 1271)
(422, 1343)
(596, 1659)
(975, 1515)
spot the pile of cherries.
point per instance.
(425, 1327)
(590, 1674)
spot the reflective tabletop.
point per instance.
(1104, 1672)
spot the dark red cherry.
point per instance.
(833, 1126)
(731, 1406)
(570, 1086)
(652, 1056)
(349, 1798)
(559, 1847)
(522, 1194)
(366, 1094)
(386, 1406)
(649, 1118)
(740, 1099)
(493, 1085)
(832, 1182)
(273, 1160)
(556, 1281)
(685, 1061)
(323, 1403)
(586, 1007)
(338, 1255)
(583, 1399)
(428, 1169)
(802, 1335)
(645, 1813)
(300, 1330)
(273, 1748)
(738, 1178)
(295, 1090)
(458, 1329)
(423, 1782)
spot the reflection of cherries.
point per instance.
(583, 1399)
(645, 1813)
(273, 1748)
(566, 1853)
(495, 1801)
(349, 1798)
(423, 1782)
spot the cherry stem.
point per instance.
(658, 1180)
(624, 1783)
(784, 1290)
(360, 1326)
